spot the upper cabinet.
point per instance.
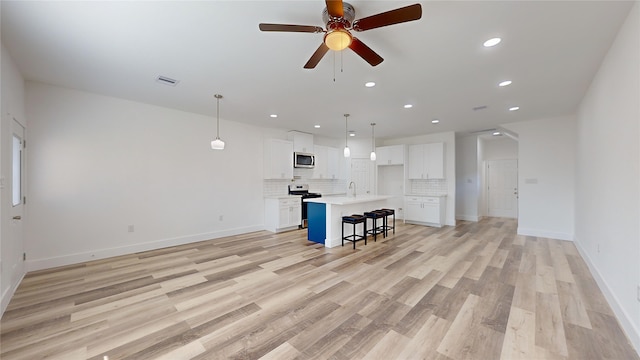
(327, 163)
(302, 142)
(426, 161)
(278, 159)
(390, 155)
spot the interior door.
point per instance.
(362, 175)
(502, 178)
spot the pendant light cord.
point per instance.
(346, 130)
(373, 147)
(218, 97)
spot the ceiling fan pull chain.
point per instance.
(334, 66)
(341, 67)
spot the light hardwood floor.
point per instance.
(474, 291)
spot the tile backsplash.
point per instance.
(428, 187)
(280, 187)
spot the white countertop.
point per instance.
(427, 195)
(347, 200)
(283, 197)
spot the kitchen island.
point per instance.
(325, 215)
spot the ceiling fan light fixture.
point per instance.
(338, 39)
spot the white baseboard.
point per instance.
(8, 294)
(628, 326)
(545, 234)
(39, 264)
(473, 218)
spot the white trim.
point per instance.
(545, 234)
(6, 297)
(629, 328)
(468, 218)
(39, 264)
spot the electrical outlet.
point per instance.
(221, 218)
(24, 258)
(131, 228)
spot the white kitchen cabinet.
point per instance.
(321, 169)
(327, 163)
(283, 214)
(335, 163)
(390, 155)
(426, 161)
(424, 210)
(302, 142)
(278, 159)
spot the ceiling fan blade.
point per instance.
(316, 57)
(291, 28)
(334, 8)
(397, 16)
(365, 52)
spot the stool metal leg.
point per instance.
(354, 236)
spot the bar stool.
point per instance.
(389, 212)
(354, 219)
(375, 228)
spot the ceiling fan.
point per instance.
(338, 17)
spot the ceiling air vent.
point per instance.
(167, 81)
(479, 107)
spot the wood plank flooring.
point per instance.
(474, 291)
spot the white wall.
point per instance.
(449, 140)
(12, 267)
(98, 164)
(467, 178)
(546, 163)
(500, 149)
(608, 176)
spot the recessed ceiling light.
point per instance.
(505, 83)
(514, 108)
(352, 133)
(370, 84)
(408, 106)
(316, 126)
(497, 133)
(274, 115)
(492, 42)
(435, 121)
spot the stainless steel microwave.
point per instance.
(304, 160)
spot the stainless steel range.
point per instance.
(303, 190)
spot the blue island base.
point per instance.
(316, 222)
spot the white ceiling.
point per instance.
(550, 50)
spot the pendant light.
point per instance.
(347, 152)
(217, 144)
(373, 144)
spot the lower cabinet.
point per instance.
(283, 214)
(424, 210)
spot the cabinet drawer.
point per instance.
(432, 200)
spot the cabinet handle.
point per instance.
(17, 217)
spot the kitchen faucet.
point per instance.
(354, 188)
